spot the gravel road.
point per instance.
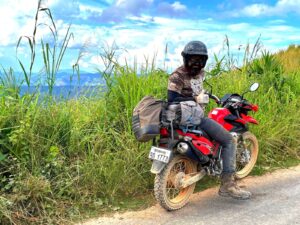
(276, 200)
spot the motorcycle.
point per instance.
(183, 156)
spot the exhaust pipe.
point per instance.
(182, 148)
(187, 148)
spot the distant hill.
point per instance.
(66, 91)
(67, 85)
(63, 78)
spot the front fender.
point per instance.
(157, 166)
(247, 119)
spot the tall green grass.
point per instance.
(52, 51)
(61, 160)
(290, 58)
(278, 100)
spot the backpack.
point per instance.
(146, 119)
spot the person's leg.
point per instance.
(222, 136)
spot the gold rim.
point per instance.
(244, 165)
(176, 195)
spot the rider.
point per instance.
(186, 83)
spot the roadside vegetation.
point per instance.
(64, 160)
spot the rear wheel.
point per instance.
(247, 152)
(167, 189)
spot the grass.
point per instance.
(290, 58)
(63, 161)
(70, 159)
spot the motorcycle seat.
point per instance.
(198, 131)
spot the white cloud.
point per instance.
(143, 42)
(86, 9)
(256, 10)
(120, 2)
(15, 18)
(279, 21)
(140, 43)
(288, 5)
(177, 6)
(280, 8)
(238, 27)
(281, 28)
(118, 11)
(175, 9)
(18, 19)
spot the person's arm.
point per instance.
(174, 96)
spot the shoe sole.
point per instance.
(226, 194)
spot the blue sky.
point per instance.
(143, 28)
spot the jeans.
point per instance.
(224, 138)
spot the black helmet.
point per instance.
(194, 48)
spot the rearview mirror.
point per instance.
(254, 86)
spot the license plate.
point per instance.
(160, 154)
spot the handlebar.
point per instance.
(215, 98)
(218, 101)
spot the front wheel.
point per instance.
(167, 190)
(247, 152)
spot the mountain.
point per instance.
(65, 92)
(67, 84)
(63, 78)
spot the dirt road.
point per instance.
(276, 200)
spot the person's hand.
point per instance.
(202, 98)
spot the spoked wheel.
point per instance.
(247, 152)
(167, 188)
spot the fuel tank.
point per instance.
(218, 114)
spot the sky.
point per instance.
(142, 29)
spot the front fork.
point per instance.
(242, 154)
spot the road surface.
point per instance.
(275, 200)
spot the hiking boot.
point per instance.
(229, 188)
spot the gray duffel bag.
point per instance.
(146, 119)
(187, 113)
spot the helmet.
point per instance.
(195, 48)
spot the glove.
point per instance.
(202, 98)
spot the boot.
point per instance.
(229, 188)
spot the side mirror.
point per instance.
(254, 87)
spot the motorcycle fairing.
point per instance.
(218, 114)
(246, 119)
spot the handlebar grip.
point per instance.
(217, 100)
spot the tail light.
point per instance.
(164, 132)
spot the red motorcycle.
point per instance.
(182, 157)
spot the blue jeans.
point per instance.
(224, 138)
